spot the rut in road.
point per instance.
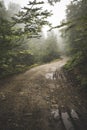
(41, 99)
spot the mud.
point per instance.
(34, 100)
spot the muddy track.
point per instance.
(41, 99)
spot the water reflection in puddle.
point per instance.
(55, 113)
(49, 76)
(74, 114)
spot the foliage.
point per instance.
(51, 50)
(32, 17)
(52, 2)
(10, 46)
(45, 49)
(76, 35)
(15, 30)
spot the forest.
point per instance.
(43, 77)
(75, 36)
(21, 44)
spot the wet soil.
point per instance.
(35, 100)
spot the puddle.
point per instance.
(49, 75)
(55, 113)
(67, 122)
(74, 114)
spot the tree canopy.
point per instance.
(76, 39)
(17, 26)
(33, 17)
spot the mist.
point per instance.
(43, 65)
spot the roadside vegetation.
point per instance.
(22, 44)
(75, 35)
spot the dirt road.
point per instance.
(41, 99)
